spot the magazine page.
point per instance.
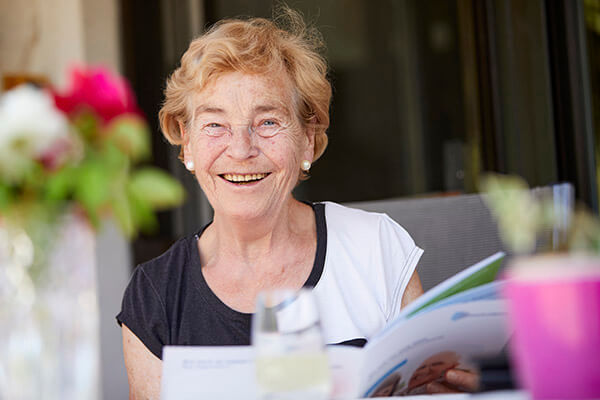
(484, 271)
(419, 350)
(487, 291)
(476, 276)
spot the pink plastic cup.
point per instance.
(554, 308)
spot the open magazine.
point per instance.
(460, 319)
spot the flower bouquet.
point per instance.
(78, 149)
(67, 159)
(554, 295)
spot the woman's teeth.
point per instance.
(242, 178)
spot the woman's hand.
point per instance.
(456, 381)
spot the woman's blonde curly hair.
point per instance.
(254, 46)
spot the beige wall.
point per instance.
(101, 32)
(47, 36)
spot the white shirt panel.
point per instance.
(368, 263)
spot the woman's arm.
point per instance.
(413, 290)
(144, 369)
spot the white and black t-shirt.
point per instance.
(362, 265)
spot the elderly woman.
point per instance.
(249, 108)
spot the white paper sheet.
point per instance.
(195, 372)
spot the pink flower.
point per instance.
(108, 96)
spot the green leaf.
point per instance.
(132, 136)
(35, 177)
(113, 158)
(92, 188)
(156, 187)
(60, 185)
(6, 196)
(122, 211)
(143, 214)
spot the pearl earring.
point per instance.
(189, 165)
(305, 165)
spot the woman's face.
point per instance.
(247, 143)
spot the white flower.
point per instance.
(29, 125)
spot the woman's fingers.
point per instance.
(467, 380)
(455, 381)
(438, 387)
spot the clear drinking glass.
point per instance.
(291, 361)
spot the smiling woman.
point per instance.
(249, 108)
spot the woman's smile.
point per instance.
(245, 178)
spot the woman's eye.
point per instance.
(268, 128)
(214, 129)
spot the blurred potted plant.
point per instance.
(554, 294)
(67, 159)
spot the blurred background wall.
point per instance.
(46, 37)
(427, 96)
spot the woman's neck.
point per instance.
(239, 260)
(253, 241)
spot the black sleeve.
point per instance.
(144, 313)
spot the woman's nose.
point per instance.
(242, 144)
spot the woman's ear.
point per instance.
(311, 129)
(185, 142)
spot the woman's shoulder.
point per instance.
(356, 220)
(360, 229)
(341, 210)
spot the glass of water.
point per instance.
(291, 361)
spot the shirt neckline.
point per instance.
(215, 303)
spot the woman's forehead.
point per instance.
(251, 108)
(236, 91)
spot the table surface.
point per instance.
(495, 395)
